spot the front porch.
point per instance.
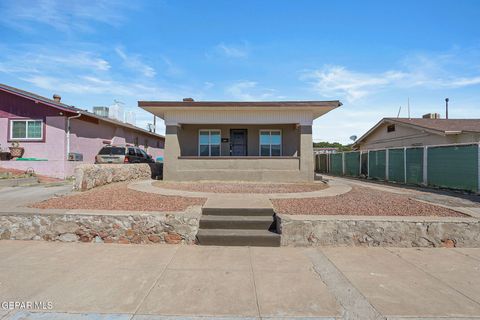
(239, 152)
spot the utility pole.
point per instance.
(154, 123)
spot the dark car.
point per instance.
(123, 154)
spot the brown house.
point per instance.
(244, 141)
(429, 130)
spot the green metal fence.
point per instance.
(336, 163)
(453, 167)
(414, 163)
(377, 164)
(396, 165)
(448, 166)
(352, 164)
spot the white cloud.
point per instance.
(233, 50)
(135, 63)
(249, 91)
(65, 16)
(419, 71)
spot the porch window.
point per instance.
(270, 143)
(26, 129)
(209, 143)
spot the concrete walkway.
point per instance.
(335, 188)
(98, 281)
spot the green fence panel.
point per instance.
(453, 167)
(336, 164)
(396, 165)
(376, 164)
(414, 165)
(352, 164)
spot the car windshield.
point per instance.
(112, 151)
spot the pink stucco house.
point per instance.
(50, 130)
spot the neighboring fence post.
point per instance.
(343, 163)
(386, 164)
(405, 164)
(425, 165)
(368, 163)
(478, 174)
(360, 165)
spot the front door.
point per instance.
(238, 142)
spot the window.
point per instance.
(26, 129)
(270, 143)
(391, 128)
(209, 143)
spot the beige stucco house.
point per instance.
(407, 132)
(243, 141)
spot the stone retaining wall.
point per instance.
(88, 176)
(378, 231)
(109, 228)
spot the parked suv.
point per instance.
(122, 154)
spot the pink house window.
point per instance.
(26, 130)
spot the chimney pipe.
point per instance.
(57, 98)
(446, 108)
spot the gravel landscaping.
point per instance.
(362, 201)
(241, 187)
(118, 197)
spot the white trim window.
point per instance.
(270, 143)
(26, 129)
(209, 143)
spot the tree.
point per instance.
(325, 144)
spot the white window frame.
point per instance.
(209, 144)
(260, 142)
(26, 129)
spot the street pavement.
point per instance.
(108, 281)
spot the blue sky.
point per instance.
(371, 55)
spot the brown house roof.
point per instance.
(443, 125)
(436, 126)
(69, 108)
(173, 104)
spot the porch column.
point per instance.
(306, 153)
(171, 152)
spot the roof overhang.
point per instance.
(159, 108)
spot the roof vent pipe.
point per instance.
(446, 108)
(57, 97)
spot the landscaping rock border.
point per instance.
(88, 176)
(125, 228)
(316, 231)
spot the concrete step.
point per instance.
(237, 211)
(237, 222)
(238, 237)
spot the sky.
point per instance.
(373, 56)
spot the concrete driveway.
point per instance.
(98, 281)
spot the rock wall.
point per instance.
(112, 228)
(380, 231)
(88, 176)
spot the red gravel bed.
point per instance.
(118, 197)
(362, 202)
(241, 187)
(41, 179)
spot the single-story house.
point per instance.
(429, 130)
(243, 141)
(52, 133)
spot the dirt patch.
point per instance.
(15, 173)
(117, 196)
(241, 187)
(363, 202)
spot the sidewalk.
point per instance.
(92, 281)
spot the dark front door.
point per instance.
(238, 142)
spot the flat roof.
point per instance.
(174, 104)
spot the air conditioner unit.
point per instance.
(72, 156)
